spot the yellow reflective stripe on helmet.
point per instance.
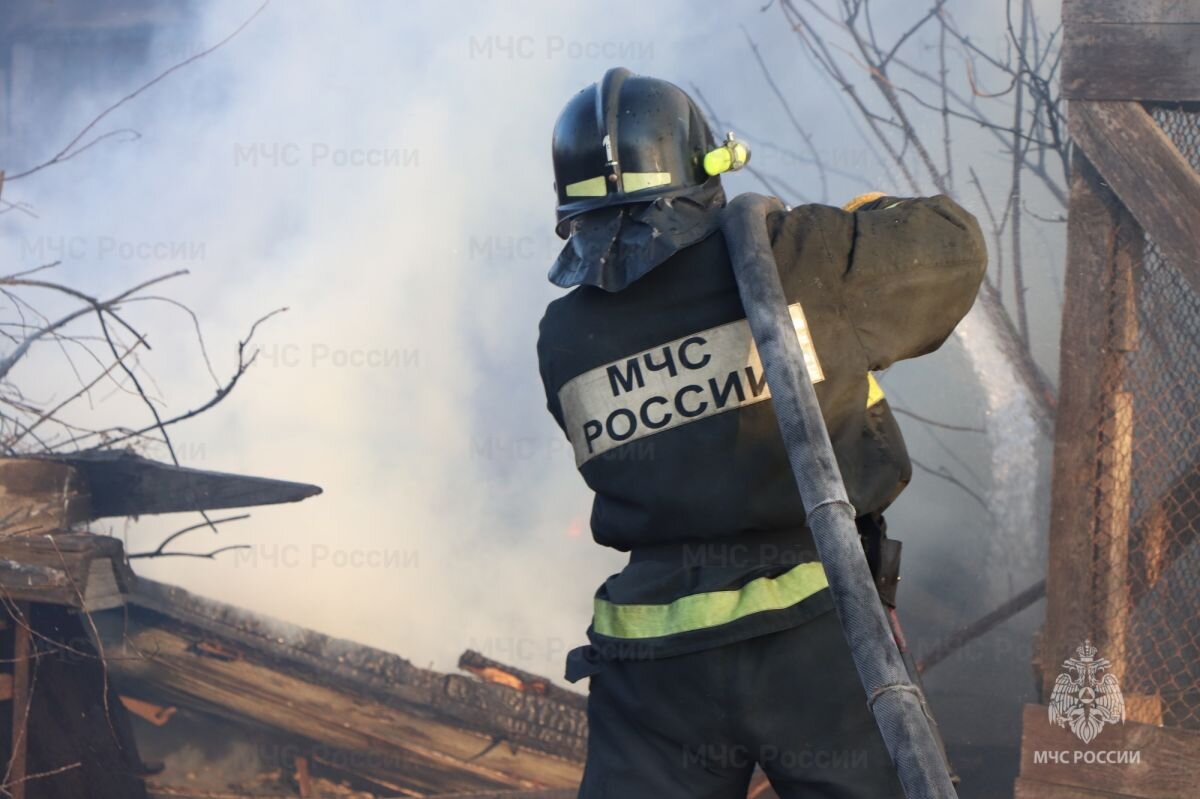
(875, 393)
(592, 187)
(698, 611)
(636, 181)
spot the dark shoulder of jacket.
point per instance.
(554, 331)
(936, 223)
(803, 218)
(971, 244)
(815, 237)
(559, 313)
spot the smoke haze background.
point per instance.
(383, 169)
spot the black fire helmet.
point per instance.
(631, 139)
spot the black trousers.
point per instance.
(695, 726)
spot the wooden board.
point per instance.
(1090, 229)
(1147, 172)
(1131, 11)
(1033, 789)
(73, 569)
(1169, 765)
(123, 483)
(1131, 62)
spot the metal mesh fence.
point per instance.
(1147, 536)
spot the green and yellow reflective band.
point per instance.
(699, 611)
(592, 187)
(875, 393)
(636, 181)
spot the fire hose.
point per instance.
(897, 704)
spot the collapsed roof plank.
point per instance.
(429, 732)
(547, 724)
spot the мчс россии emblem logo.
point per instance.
(1086, 696)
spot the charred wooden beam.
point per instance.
(554, 724)
(981, 626)
(399, 724)
(124, 483)
(402, 744)
(494, 671)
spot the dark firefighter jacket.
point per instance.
(659, 390)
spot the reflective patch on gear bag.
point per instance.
(700, 611)
(691, 378)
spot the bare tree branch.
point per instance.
(159, 551)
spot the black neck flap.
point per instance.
(610, 248)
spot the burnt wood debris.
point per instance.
(119, 686)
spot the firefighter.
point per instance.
(715, 650)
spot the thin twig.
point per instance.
(805, 136)
(957, 428)
(943, 473)
(159, 551)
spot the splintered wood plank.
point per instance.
(396, 742)
(1131, 62)
(1167, 767)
